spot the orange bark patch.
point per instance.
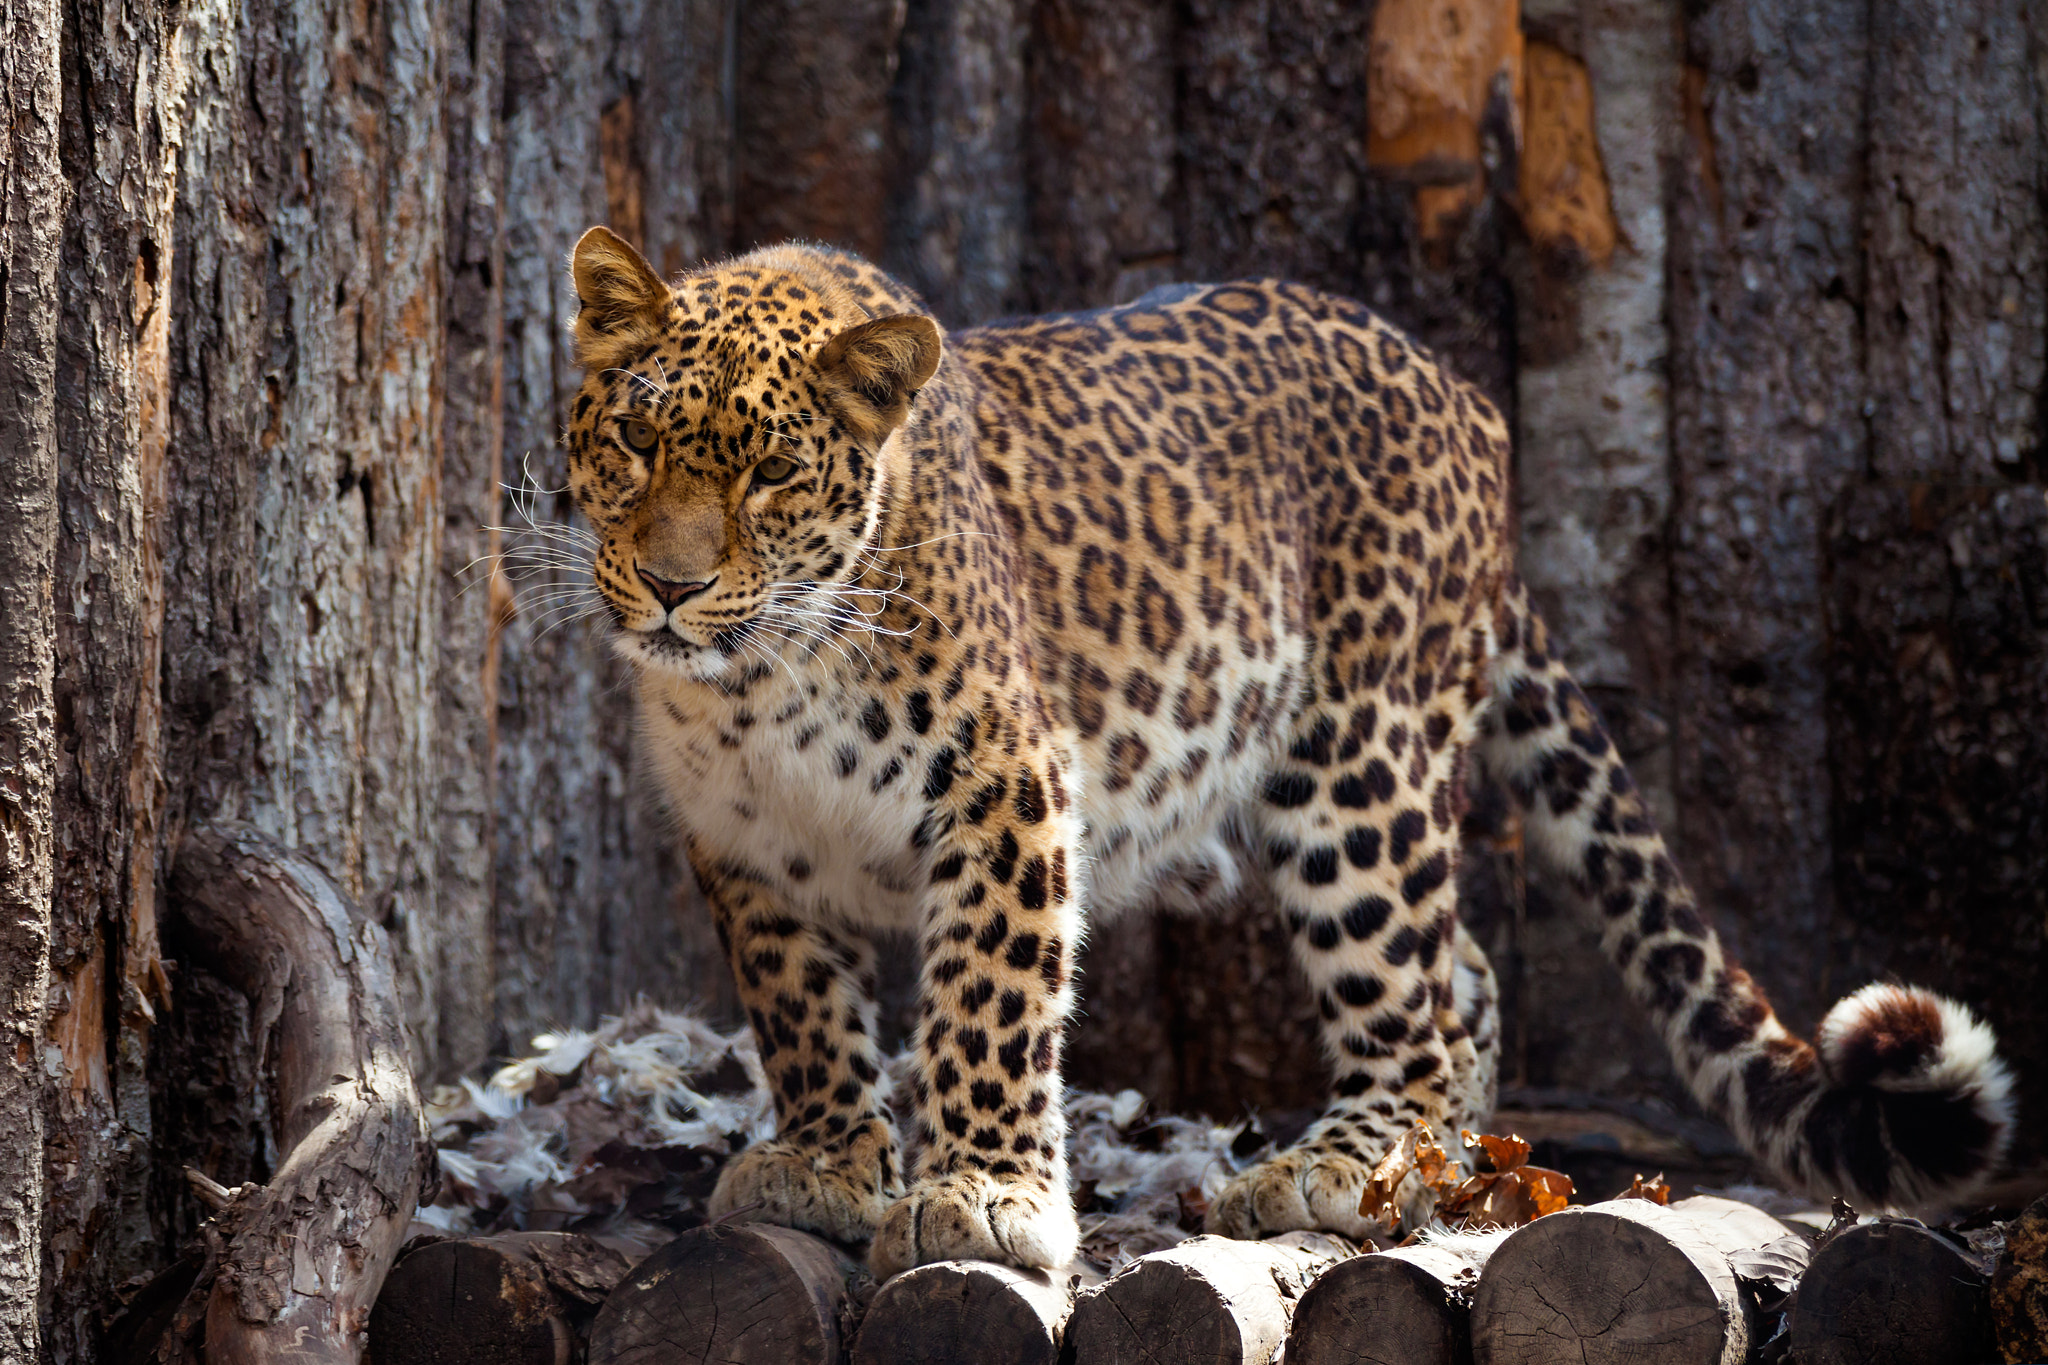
(1434, 67)
(1563, 186)
(625, 180)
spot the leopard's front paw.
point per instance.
(1308, 1188)
(798, 1186)
(976, 1217)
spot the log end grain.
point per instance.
(1892, 1293)
(1210, 1299)
(1622, 1281)
(1408, 1306)
(466, 1302)
(740, 1294)
(965, 1310)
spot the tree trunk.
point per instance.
(31, 216)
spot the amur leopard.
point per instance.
(980, 635)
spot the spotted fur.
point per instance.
(956, 634)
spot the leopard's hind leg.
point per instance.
(1359, 826)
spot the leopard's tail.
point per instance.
(1902, 1101)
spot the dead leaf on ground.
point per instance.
(1654, 1189)
(1506, 1192)
(1418, 1153)
(1509, 1199)
(1503, 1153)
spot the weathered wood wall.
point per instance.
(1761, 282)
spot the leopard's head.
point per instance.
(730, 444)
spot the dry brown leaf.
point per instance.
(1416, 1152)
(1503, 1153)
(1654, 1189)
(1509, 1199)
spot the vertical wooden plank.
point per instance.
(1100, 152)
(32, 192)
(811, 151)
(956, 211)
(585, 878)
(1594, 485)
(471, 466)
(1767, 428)
(1938, 650)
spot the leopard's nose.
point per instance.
(667, 591)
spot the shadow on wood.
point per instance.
(958, 1311)
(1892, 1293)
(736, 1293)
(1207, 1300)
(1410, 1305)
(1627, 1280)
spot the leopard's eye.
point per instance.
(639, 436)
(773, 470)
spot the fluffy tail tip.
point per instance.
(1918, 1078)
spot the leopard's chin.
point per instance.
(663, 651)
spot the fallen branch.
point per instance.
(309, 1251)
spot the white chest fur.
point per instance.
(790, 782)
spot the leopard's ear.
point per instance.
(873, 371)
(621, 295)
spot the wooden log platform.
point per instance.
(961, 1311)
(1208, 1301)
(1892, 1293)
(1407, 1306)
(736, 1293)
(518, 1298)
(1627, 1280)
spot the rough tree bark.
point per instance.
(31, 215)
(1858, 563)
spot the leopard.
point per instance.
(980, 636)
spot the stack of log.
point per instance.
(1706, 1279)
(292, 1269)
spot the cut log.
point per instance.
(520, 1298)
(1627, 1280)
(1408, 1306)
(1208, 1301)
(957, 1311)
(306, 1255)
(1892, 1293)
(738, 1293)
(2019, 1291)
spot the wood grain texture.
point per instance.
(743, 1294)
(965, 1310)
(1406, 1306)
(31, 215)
(1620, 1281)
(1208, 1301)
(1892, 1294)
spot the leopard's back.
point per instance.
(1213, 492)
